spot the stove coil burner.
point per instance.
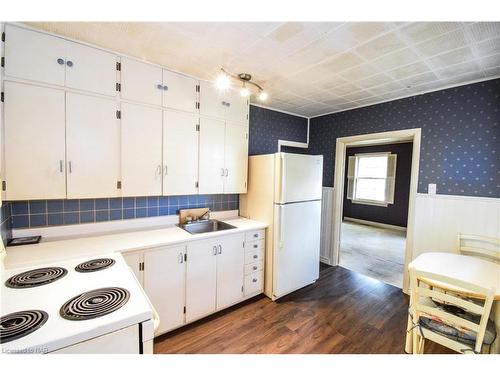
(36, 277)
(94, 303)
(21, 323)
(95, 265)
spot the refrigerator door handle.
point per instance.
(280, 243)
(282, 184)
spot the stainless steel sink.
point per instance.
(204, 226)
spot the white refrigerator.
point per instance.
(284, 191)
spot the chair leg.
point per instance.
(409, 336)
(421, 349)
(415, 342)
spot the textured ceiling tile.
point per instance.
(450, 58)
(380, 46)
(331, 82)
(346, 89)
(463, 78)
(358, 72)
(317, 51)
(341, 62)
(408, 70)
(386, 88)
(402, 57)
(419, 79)
(375, 80)
(421, 31)
(362, 31)
(357, 95)
(458, 69)
(443, 43)
(490, 61)
(484, 30)
(488, 47)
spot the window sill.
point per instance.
(370, 203)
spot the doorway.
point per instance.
(412, 136)
(375, 210)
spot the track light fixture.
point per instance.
(223, 82)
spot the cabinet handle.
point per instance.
(227, 172)
(181, 258)
(165, 88)
(159, 169)
(255, 268)
(165, 170)
(60, 61)
(61, 166)
(70, 167)
(222, 172)
(256, 235)
(69, 63)
(223, 103)
(159, 87)
(220, 249)
(255, 256)
(254, 280)
(228, 104)
(214, 250)
(255, 246)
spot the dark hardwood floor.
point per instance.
(343, 312)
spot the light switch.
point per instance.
(431, 190)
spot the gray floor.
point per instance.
(374, 252)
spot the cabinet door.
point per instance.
(34, 56)
(92, 147)
(236, 158)
(211, 100)
(141, 82)
(164, 283)
(134, 261)
(90, 69)
(180, 153)
(141, 155)
(230, 267)
(211, 157)
(179, 92)
(34, 142)
(237, 107)
(201, 279)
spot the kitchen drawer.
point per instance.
(254, 267)
(254, 256)
(255, 235)
(254, 246)
(254, 282)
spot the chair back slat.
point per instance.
(451, 299)
(479, 246)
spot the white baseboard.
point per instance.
(91, 229)
(324, 260)
(375, 224)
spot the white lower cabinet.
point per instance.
(164, 283)
(201, 278)
(189, 281)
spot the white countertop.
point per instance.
(130, 240)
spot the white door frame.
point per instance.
(412, 135)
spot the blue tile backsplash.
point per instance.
(460, 145)
(41, 213)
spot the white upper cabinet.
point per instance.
(180, 153)
(44, 58)
(164, 284)
(230, 262)
(236, 107)
(90, 69)
(92, 147)
(179, 91)
(235, 158)
(141, 150)
(34, 142)
(229, 104)
(211, 159)
(141, 82)
(34, 56)
(212, 101)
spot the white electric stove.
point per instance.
(86, 305)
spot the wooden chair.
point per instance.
(479, 246)
(458, 323)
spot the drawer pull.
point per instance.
(255, 246)
(254, 280)
(256, 235)
(255, 268)
(255, 256)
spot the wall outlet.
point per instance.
(431, 190)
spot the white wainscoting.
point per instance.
(439, 219)
(326, 225)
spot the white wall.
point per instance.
(439, 219)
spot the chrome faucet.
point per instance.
(205, 215)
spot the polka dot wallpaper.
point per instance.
(460, 148)
(268, 126)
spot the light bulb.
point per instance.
(244, 92)
(222, 82)
(263, 96)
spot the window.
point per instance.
(371, 178)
